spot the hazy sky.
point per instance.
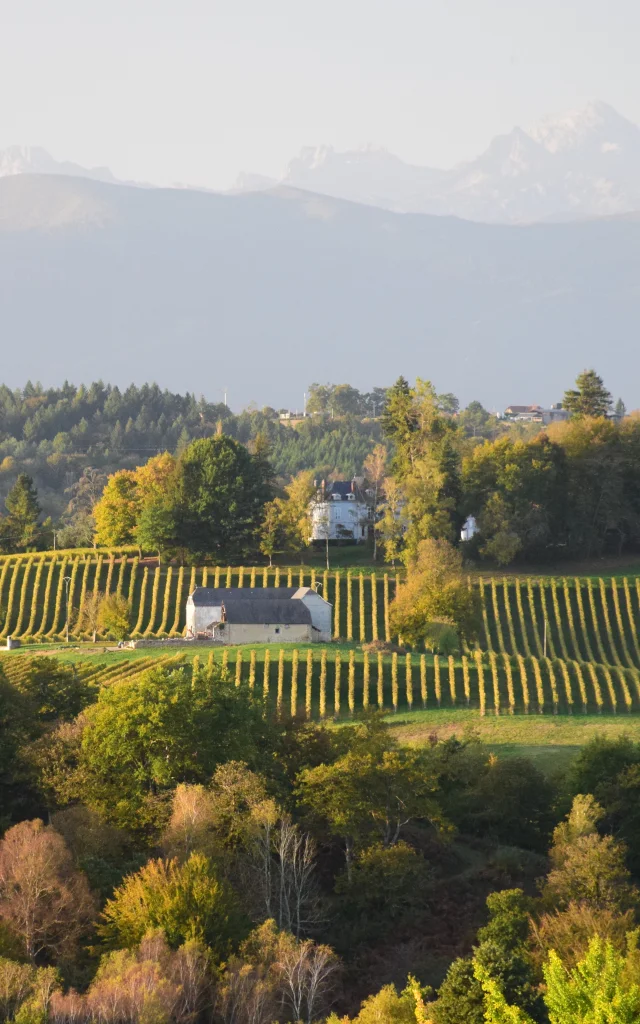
(195, 91)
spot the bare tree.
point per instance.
(297, 887)
(88, 617)
(43, 898)
(307, 975)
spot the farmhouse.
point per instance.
(251, 615)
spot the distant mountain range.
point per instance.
(266, 292)
(576, 165)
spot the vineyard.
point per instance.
(553, 645)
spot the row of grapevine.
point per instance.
(570, 619)
(17, 667)
(317, 684)
(34, 591)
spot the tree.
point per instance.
(114, 616)
(24, 511)
(511, 801)
(221, 492)
(517, 490)
(393, 524)
(501, 959)
(188, 901)
(54, 691)
(295, 514)
(586, 867)
(44, 900)
(590, 397)
(88, 619)
(270, 529)
(156, 527)
(145, 735)
(595, 990)
(375, 468)
(435, 590)
(620, 409)
(79, 523)
(369, 797)
(117, 511)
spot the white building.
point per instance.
(340, 512)
(237, 615)
(469, 529)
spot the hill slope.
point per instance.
(267, 292)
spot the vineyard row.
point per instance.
(567, 619)
(321, 683)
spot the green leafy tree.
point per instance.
(595, 990)
(187, 901)
(145, 735)
(501, 957)
(271, 529)
(590, 397)
(369, 797)
(221, 492)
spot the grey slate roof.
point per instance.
(215, 596)
(269, 612)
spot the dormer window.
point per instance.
(336, 497)
(351, 497)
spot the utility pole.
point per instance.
(67, 581)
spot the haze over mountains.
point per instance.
(266, 292)
(581, 164)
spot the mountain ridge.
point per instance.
(267, 291)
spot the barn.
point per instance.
(244, 615)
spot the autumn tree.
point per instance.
(116, 513)
(585, 866)
(44, 900)
(114, 616)
(187, 901)
(295, 517)
(435, 592)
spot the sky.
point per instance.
(196, 91)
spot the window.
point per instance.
(277, 629)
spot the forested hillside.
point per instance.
(55, 434)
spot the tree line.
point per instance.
(568, 490)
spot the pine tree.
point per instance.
(24, 510)
(590, 397)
